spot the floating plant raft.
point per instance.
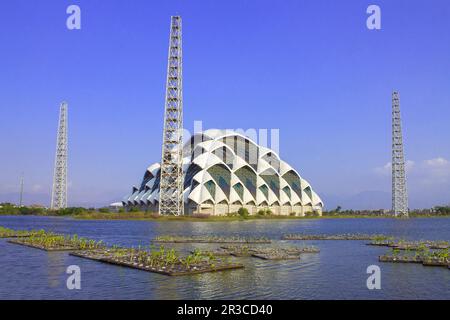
(166, 262)
(400, 259)
(346, 236)
(413, 245)
(208, 239)
(57, 242)
(439, 258)
(10, 233)
(269, 253)
(217, 252)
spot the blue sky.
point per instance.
(309, 68)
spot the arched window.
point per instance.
(239, 188)
(287, 191)
(211, 187)
(294, 182)
(308, 192)
(264, 190)
(248, 179)
(272, 180)
(222, 177)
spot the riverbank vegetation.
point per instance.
(241, 215)
(438, 211)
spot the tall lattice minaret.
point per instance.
(399, 193)
(171, 181)
(59, 194)
(21, 191)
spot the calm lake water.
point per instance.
(337, 272)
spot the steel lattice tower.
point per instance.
(171, 180)
(59, 194)
(21, 190)
(399, 193)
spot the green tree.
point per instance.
(243, 212)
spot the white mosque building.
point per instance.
(225, 171)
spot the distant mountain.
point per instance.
(366, 200)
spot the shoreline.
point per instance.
(149, 217)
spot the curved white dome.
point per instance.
(225, 170)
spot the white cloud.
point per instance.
(384, 170)
(431, 172)
(436, 171)
(387, 168)
(438, 163)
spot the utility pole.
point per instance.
(171, 180)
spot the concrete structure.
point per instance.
(224, 171)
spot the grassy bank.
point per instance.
(242, 215)
(153, 217)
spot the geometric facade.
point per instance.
(224, 171)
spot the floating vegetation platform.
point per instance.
(438, 258)
(218, 252)
(10, 233)
(57, 242)
(400, 259)
(268, 253)
(166, 262)
(276, 256)
(209, 239)
(346, 236)
(412, 245)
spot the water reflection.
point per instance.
(56, 268)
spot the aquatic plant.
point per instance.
(52, 241)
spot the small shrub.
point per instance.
(269, 212)
(70, 211)
(292, 214)
(103, 210)
(261, 213)
(243, 212)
